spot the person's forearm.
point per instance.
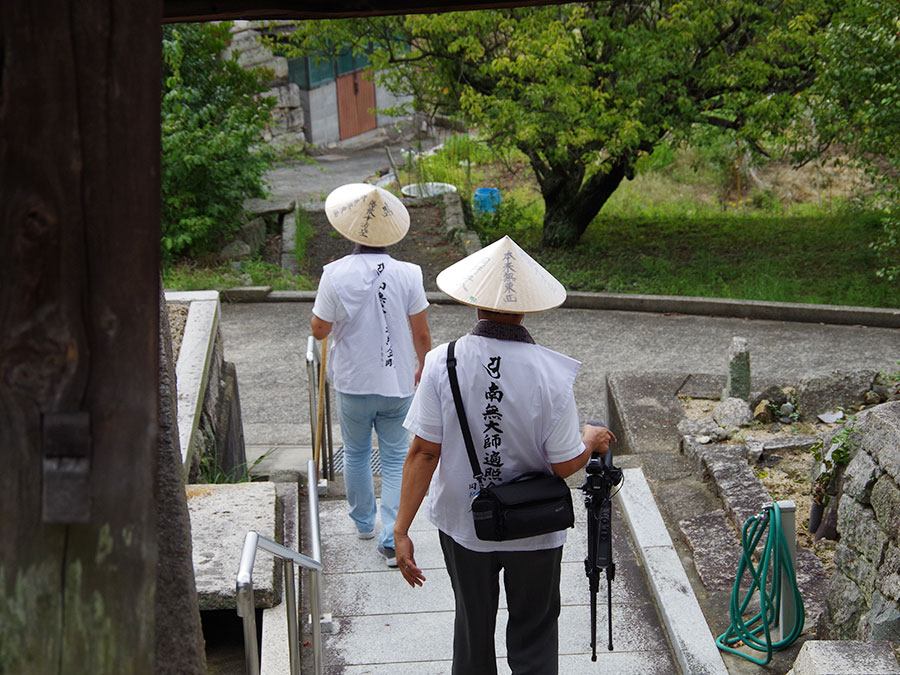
(417, 472)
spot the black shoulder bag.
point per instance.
(531, 504)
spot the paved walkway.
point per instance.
(385, 627)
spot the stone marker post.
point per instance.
(738, 383)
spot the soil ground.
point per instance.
(426, 245)
(785, 476)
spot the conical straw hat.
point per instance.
(367, 214)
(502, 278)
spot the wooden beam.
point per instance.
(79, 260)
(206, 10)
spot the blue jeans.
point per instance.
(358, 415)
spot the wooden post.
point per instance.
(79, 260)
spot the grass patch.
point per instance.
(303, 233)
(817, 259)
(192, 277)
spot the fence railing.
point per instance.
(246, 607)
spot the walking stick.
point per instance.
(320, 417)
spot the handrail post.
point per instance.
(315, 588)
(246, 607)
(291, 602)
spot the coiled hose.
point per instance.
(766, 578)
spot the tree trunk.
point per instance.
(570, 206)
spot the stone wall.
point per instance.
(220, 441)
(287, 116)
(863, 601)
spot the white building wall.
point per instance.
(385, 99)
(321, 114)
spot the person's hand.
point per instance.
(406, 562)
(597, 438)
(418, 376)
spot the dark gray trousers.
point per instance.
(531, 581)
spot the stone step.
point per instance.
(714, 543)
(221, 515)
(820, 657)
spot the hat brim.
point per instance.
(367, 214)
(502, 278)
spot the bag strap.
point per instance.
(461, 413)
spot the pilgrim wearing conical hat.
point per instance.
(372, 306)
(367, 214)
(518, 399)
(502, 278)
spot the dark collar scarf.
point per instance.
(514, 332)
(362, 248)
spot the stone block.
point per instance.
(742, 493)
(827, 393)
(246, 294)
(286, 95)
(812, 580)
(857, 568)
(885, 500)
(820, 657)
(702, 385)
(262, 207)
(795, 444)
(648, 422)
(846, 606)
(715, 545)
(286, 121)
(889, 573)
(704, 426)
(883, 619)
(860, 476)
(230, 451)
(733, 412)
(254, 234)
(860, 531)
(221, 516)
(737, 384)
(879, 434)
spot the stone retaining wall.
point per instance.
(863, 600)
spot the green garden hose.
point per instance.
(766, 580)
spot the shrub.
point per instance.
(212, 115)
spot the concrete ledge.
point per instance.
(747, 309)
(221, 516)
(194, 360)
(693, 644)
(672, 304)
(845, 658)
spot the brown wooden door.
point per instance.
(356, 101)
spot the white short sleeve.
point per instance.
(418, 302)
(564, 442)
(328, 306)
(424, 418)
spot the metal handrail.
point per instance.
(313, 361)
(246, 607)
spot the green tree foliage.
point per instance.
(584, 89)
(856, 102)
(212, 115)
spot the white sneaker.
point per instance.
(365, 535)
(390, 557)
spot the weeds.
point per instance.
(189, 276)
(210, 472)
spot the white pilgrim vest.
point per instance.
(370, 349)
(515, 394)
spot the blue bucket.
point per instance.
(486, 200)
